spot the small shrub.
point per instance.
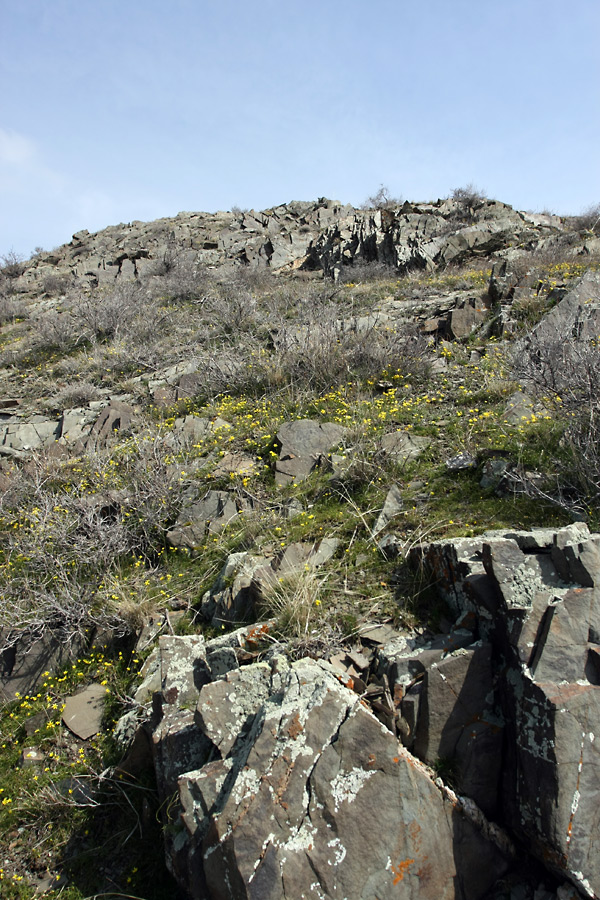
(382, 199)
(10, 309)
(75, 394)
(55, 284)
(12, 264)
(468, 196)
(589, 219)
(183, 279)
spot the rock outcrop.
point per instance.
(288, 786)
(323, 235)
(431, 762)
(532, 598)
(325, 779)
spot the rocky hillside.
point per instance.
(299, 557)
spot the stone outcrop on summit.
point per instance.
(325, 236)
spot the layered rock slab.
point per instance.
(535, 597)
(313, 797)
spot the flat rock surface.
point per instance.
(83, 711)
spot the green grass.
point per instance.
(461, 409)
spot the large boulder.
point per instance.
(310, 796)
(535, 597)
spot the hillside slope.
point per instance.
(309, 418)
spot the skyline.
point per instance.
(115, 112)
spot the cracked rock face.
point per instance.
(535, 597)
(310, 796)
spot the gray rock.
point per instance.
(403, 445)
(22, 438)
(192, 428)
(461, 462)
(493, 472)
(213, 512)
(301, 445)
(537, 604)
(467, 318)
(519, 408)
(117, 416)
(319, 799)
(393, 505)
(83, 711)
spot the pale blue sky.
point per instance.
(114, 110)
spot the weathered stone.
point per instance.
(192, 428)
(213, 512)
(537, 604)
(83, 711)
(493, 471)
(319, 799)
(468, 317)
(31, 757)
(301, 445)
(117, 416)
(226, 708)
(288, 471)
(519, 408)
(21, 438)
(457, 725)
(392, 506)
(24, 660)
(403, 445)
(461, 462)
(236, 464)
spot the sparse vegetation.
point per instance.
(468, 196)
(382, 199)
(589, 219)
(84, 539)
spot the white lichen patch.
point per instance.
(346, 785)
(339, 851)
(247, 784)
(302, 839)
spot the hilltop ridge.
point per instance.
(299, 236)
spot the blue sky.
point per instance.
(113, 111)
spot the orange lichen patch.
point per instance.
(401, 869)
(256, 635)
(295, 727)
(416, 836)
(396, 759)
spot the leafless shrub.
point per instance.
(104, 315)
(70, 526)
(233, 312)
(588, 220)
(12, 264)
(77, 393)
(564, 372)
(316, 353)
(11, 309)
(183, 278)
(55, 284)
(469, 196)
(56, 330)
(382, 199)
